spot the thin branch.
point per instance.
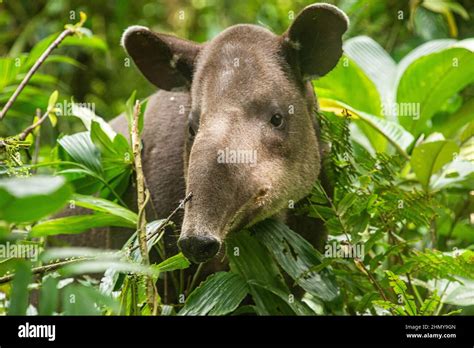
(141, 196)
(142, 199)
(37, 143)
(168, 219)
(374, 282)
(44, 269)
(33, 69)
(195, 277)
(22, 136)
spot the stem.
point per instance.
(371, 278)
(33, 69)
(441, 304)
(37, 143)
(415, 291)
(165, 223)
(22, 136)
(142, 198)
(195, 276)
(44, 269)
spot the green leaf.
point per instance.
(249, 259)
(49, 296)
(428, 158)
(56, 58)
(53, 119)
(19, 293)
(430, 305)
(346, 203)
(130, 110)
(29, 199)
(296, 305)
(77, 224)
(348, 84)
(9, 69)
(87, 116)
(93, 42)
(83, 300)
(105, 206)
(452, 123)
(432, 79)
(53, 98)
(220, 294)
(103, 142)
(376, 64)
(80, 147)
(178, 261)
(129, 106)
(401, 290)
(296, 256)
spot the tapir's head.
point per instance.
(252, 143)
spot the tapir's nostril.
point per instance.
(199, 248)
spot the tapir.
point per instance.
(233, 122)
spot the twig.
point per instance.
(195, 276)
(22, 136)
(441, 303)
(44, 269)
(142, 200)
(37, 143)
(168, 219)
(374, 282)
(33, 69)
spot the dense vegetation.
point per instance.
(397, 111)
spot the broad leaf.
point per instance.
(376, 63)
(80, 147)
(178, 261)
(248, 258)
(78, 224)
(430, 80)
(296, 256)
(430, 157)
(19, 292)
(29, 199)
(105, 206)
(219, 294)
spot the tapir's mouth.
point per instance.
(249, 212)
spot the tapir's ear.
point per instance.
(316, 36)
(165, 60)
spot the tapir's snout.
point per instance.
(199, 248)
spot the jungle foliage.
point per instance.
(399, 123)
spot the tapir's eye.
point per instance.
(277, 121)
